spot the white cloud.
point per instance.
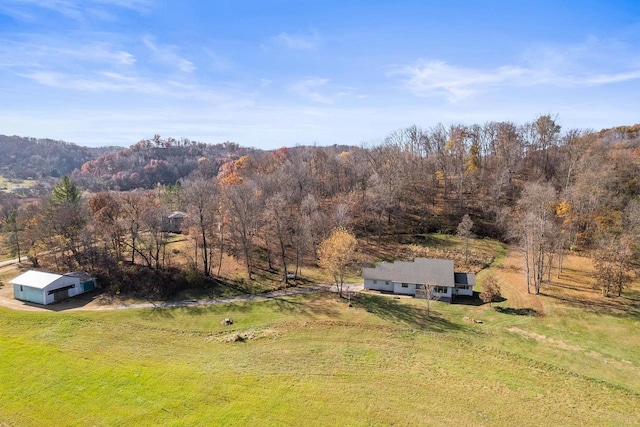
(167, 54)
(438, 78)
(109, 81)
(60, 53)
(298, 41)
(315, 89)
(600, 79)
(79, 10)
(593, 62)
(454, 83)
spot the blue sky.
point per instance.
(269, 74)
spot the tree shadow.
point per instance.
(304, 306)
(473, 300)
(600, 307)
(195, 308)
(553, 284)
(517, 311)
(396, 311)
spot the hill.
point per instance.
(156, 161)
(32, 158)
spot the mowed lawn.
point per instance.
(313, 360)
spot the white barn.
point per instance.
(46, 288)
(410, 278)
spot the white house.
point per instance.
(46, 288)
(411, 277)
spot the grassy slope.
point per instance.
(314, 360)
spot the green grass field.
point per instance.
(8, 184)
(313, 360)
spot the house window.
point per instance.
(21, 290)
(375, 282)
(405, 285)
(441, 289)
(418, 286)
(386, 282)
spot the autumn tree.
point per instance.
(65, 218)
(107, 211)
(153, 241)
(12, 225)
(490, 290)
(336, 254)
(32, 220)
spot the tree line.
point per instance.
(548, 190)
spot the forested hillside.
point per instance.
(549, 190)
(156, 161)
(24, 158)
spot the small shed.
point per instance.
(42, 287)
(173, 221)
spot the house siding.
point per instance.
(461, 291)
(409, 290)
(54, 291)
(27, 293)
(378, 285)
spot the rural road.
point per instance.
(8, 262)
(78, 304)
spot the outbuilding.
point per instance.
(41, 287)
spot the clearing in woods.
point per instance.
(568, 357)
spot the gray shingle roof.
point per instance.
(420, 270)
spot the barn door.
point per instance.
(60, 294)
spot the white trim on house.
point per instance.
(410, 277)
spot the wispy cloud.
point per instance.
(168, 55)
(297, 41)
(437, 78)
(64, 53)
(318, 90)
(101, 67)
(592, 63)
(78, 10)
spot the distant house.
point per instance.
(411, 277)
(173, 221)
(46, 288)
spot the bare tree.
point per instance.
(464, 231)
(533, 226)
(614, 262)
(244, 206)
(203, 197)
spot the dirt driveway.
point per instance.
(98, 300)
